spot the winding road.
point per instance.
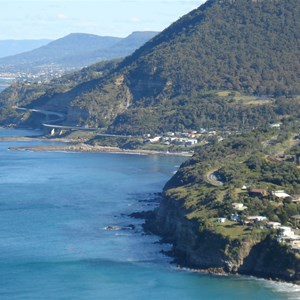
(211, 177)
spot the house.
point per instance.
(295, 198)
(238, 206)
(235, 217)
(256, 218)
(275, 125)
(258, 193)
(191, 142)
(185, 134)
(155, 139)
(202, 130)
(211, 133)
(295, 244)
(280, 194)
(170, 133)
(165, 139)
(286, 231)
(221, 220)
(274, 225)
(287, 235)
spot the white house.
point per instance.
(257, 218)
(170, 133)
(275, 125)
(280, 194)
(238, 206)
(274, 225)
(286, 231)
(221, 220)
(155, 139)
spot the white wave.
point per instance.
(289, 290)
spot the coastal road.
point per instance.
(211, 177)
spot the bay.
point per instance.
(4, 83)
(54, 208)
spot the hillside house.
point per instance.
(156, 139)
(256, 219)
(258, 193)
(221, 220)
(286, 231)
(235, 218)
(238, 206)
(275, 125)
(274, 225)
(295, 198)
(280, 194)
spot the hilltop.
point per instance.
(75, 51)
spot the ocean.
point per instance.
(54, 210)
(3, 83)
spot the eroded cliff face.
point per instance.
(200, 248)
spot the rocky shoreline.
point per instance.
(71, 146)
(207, 252)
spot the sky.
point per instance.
(52, 19)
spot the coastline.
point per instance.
(82, 147)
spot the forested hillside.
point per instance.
(199, 72)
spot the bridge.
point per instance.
(61, 117)
(53, 126)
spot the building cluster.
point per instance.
(288, 236)
(277, 194)
(285, 234)
(184, 139)
(38, 75)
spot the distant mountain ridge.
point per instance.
(76, 50)
(121, 48)
(13, 47)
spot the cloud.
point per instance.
(135, 20)
(61, 16)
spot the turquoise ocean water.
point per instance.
(54, 208)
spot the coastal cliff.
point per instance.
(201, 248)
(213, 215)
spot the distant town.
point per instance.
(40, 75)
